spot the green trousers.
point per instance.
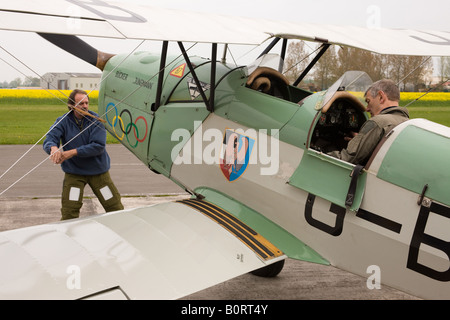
(73, 189)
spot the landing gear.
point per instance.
(270, 271)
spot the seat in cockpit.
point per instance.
(270, 81)
(343, 115)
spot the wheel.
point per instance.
(270, 271)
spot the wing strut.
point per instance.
(283, 51)
(162, 67)
(194, 75)
(323, 49)
(269, 47)
(212, 90)
(283, 55)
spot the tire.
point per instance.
(270, 271)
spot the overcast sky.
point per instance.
(42, 57)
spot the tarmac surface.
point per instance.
(34, 200)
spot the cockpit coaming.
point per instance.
(338, 121)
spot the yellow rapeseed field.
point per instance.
(407, 96)
(26, 114)
(431, 96)
(32, 93)
(38, 96)
(41, 96)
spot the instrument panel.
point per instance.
(335, 127)
(340, 115)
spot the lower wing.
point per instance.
(164, 251)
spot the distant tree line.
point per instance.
(412, 73)
(18, 82)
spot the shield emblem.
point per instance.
(235, 154)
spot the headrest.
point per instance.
(344, 95)
(267, 72)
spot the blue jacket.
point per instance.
(92, 157)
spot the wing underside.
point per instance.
(163, 251)
(129, 21)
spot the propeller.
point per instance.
(78, 48)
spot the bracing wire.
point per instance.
(306, 57)
(93, 122)
(427, 92)
(40, 163)
(20, 158)
(423, 62)
(151, 78)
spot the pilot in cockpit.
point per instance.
(382, 99)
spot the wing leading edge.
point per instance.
(119, 20)
(164, 251)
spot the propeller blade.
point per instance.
(78, 48)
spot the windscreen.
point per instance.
(355, 82)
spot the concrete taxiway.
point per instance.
(34, 200)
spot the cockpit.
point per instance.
(341, 113)
(337, 122)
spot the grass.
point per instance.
(436, 114)
(28, 123)
(435, 107)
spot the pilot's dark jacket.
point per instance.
(360, 148)
(92, 158)
(90, 166)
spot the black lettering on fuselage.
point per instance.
(419, 237)
(335, 230)
(121, 75)
(379, 220)
(142, 83)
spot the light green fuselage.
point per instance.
(301, 207)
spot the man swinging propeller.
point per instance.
(83, 157)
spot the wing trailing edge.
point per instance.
(164, 251)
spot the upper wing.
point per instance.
(164, 251)
(117, 20)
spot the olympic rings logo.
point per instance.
(126, 130)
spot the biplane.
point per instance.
(242, 140)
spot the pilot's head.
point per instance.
(380, 95)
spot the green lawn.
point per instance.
(437, 114)
(27, 124)
(434, 110)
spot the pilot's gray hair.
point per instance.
(387, 86)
